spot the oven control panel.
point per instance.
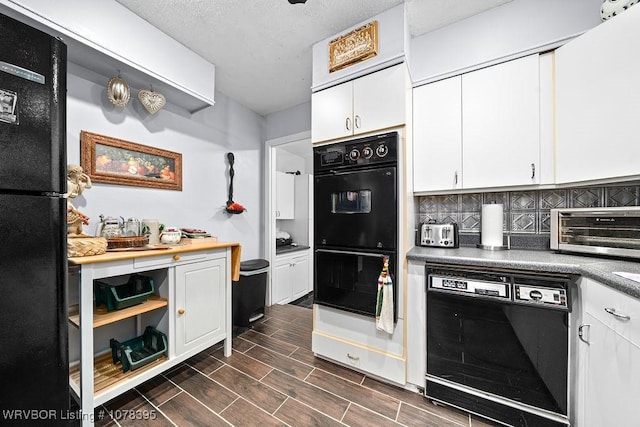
(357, 152)
(537, 294)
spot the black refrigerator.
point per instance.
(34, 368)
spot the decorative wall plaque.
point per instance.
(358, 45)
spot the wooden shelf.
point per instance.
(102, 317)
(106, 374)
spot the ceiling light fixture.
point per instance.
(297, 1)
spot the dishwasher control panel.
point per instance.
(510, 286)
(476, 287)
(540, 295)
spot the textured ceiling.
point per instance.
(262, 48)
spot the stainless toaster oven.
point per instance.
(603, 231)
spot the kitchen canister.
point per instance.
(151, 229)
(491, 220)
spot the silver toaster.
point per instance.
(439, 235)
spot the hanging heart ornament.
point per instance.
(152, 101)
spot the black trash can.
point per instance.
(249, 293)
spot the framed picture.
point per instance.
(116, 161)
(358, 45)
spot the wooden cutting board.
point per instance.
(127, 242)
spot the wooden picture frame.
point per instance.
(358, 45)
(115, 161)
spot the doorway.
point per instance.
(288, 187)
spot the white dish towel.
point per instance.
(384, 303)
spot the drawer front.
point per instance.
(360, 358)
(359, 329)
(612, 308)
(170, 260)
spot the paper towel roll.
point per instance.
(491, 225)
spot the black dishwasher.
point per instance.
(498, 343)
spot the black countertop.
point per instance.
(599, 269)
(289, 248)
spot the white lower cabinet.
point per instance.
(416, 324)
(290, 277)
(198, 318)
(352, 340)
(609, 358)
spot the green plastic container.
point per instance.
(139, 351)
(116, 297)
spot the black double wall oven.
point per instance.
(355, 220)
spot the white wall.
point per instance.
(288, 122)
(204, 148)
(506, 30)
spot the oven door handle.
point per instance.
(351, 253)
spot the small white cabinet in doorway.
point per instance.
(290, 277)
(285, 196)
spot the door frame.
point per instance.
(269, 191)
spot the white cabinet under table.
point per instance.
(191, 304)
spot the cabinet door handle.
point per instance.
(612, 311)
(533, 170)
(353, 357)
(181, 311)
(357, 122)
(176, 257)
(581, 333)
(455, 178)
(347, 123)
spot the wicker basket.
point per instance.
(85, 245)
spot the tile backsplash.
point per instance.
(525, 212)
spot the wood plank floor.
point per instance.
(273, 379)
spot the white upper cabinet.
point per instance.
(332, 112)
(437, 136)
(375, 101)
(285, 196)
(501, 131)
(598, 102)
(490, 128)
(105, 37)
